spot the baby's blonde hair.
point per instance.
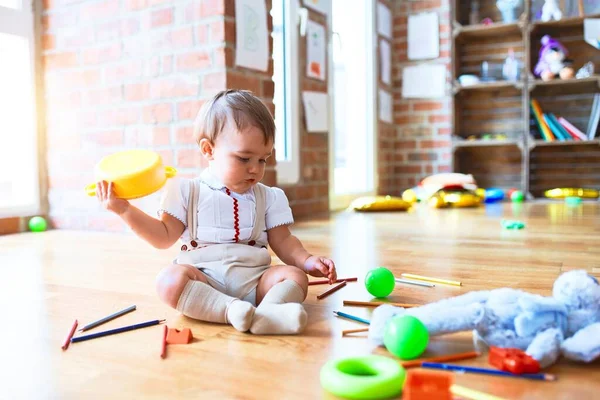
(238, 106)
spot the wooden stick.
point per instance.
(472, 394)
(70, 336)
(348, 331)
(333, 289)
(434, 280)
(163, 349)
(325, 281)
(449, 357)
(377, 304)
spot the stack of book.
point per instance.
(556, 128)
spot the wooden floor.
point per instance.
(50, 279)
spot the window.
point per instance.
(19, 176)
(285, 76)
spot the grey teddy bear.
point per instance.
(568, 322)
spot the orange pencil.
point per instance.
(71, 333)
(163, 350)
(325, 281)
(377, 304)
(348, 331)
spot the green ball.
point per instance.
(406, 337)
(517, 196)
(380, 282)
(37, 224)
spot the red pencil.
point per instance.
(71, 333)
(333, 289)
(163, 351)
(325, 281)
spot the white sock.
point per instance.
(201, 301)
(280, 311)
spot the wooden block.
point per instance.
(425, 385)
(176, 336)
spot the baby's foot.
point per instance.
(240, 314)
(279, 319)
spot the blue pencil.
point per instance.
(117, 330)
(487, 371)
(352, 317)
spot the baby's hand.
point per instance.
(106, 194)
(320, 266)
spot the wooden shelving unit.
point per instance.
(502, 107)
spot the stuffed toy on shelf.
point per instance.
(553, 60)
(566, 323)
(551, 10)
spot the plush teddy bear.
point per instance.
(551, 10)
(553, 60)
(567, 323)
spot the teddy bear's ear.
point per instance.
(546, 39)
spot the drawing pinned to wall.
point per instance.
(316, 111)
(423, 36)
(384, 21)
(252, 37)
(321, 6)
(385, 57)
(385, 107)
(315, 50)
(424, 81)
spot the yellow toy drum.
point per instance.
(134, 173)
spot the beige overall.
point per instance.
(231, 268)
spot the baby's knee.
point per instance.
(297, 276)
(170, 283)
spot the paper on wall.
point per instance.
(385, 57)
(315, 50)
(591, 31)
(321, 6)
(423, 36)
(252, 37)
(316, 111)
(386, 106)
(384, 21)
(424, 81)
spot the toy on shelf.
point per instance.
(509, 9)
(444, 190)
(551, 10)
(553, 60)
(566, 323)
(379, 203)
(134, 173)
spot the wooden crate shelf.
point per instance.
(503, 107)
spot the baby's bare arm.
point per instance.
(287, 246)
(161, 234)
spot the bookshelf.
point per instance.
(502, 108)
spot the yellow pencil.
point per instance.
(436, 280)
(472, 394)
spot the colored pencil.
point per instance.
(348, 331)
(333, 289)
(352, 317)
(409, 282)
(377, 304)
(117, 330)
(70, 336)
(163, 347)
(448, 357)
(107, 318)
(325, 281)
(434, 280)
(487, 371)
(472, 394)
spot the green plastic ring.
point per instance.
(367, 377)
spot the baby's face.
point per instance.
(240, 157)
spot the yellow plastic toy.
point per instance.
(134, 173)
(444, 198)
(379, 203)
(561, 193)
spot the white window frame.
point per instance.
(288, 171)
(21, 22)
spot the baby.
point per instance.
(225, 219)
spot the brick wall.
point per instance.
(418, 143)
(122, 74)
